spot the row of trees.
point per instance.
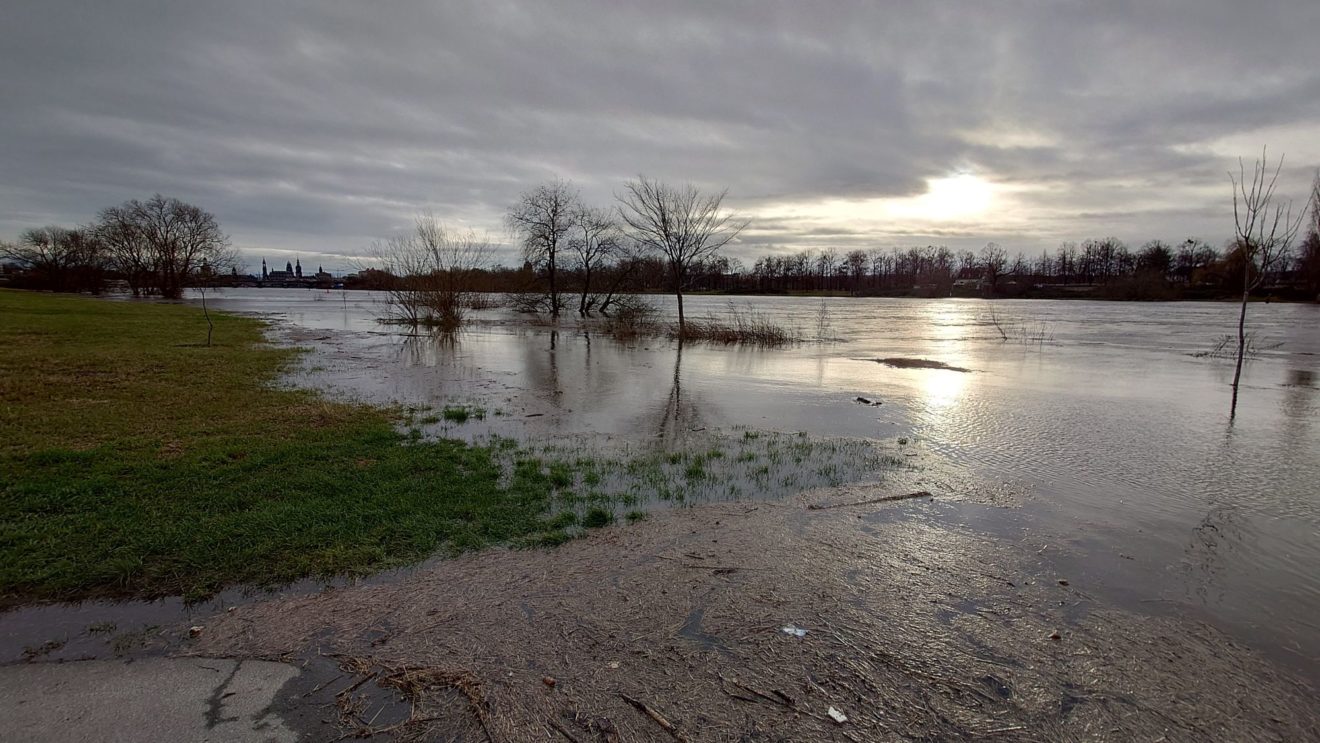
(1103, 261)
(656, 234)
(1106, 267)
(680, 228)
(661, 238)
(157, 246)
(568, 246)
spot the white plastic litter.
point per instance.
(789, 629)
(838, 716)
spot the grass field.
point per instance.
(137, 461)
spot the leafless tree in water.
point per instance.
(432, 269)
(543, 219)
(1264, 230)
(683, 224)
(597, 240)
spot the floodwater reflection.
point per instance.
(1113, 425)
(678, 414)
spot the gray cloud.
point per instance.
(318, 127)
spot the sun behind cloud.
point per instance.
(951, 198)
(961, 202)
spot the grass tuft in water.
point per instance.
(461, 413)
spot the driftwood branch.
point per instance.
(882, 499)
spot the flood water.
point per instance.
(1138, 485)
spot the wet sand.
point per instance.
(674, 629)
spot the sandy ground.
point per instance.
(674, 629)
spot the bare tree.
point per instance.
(596, 240)
(433, 272)
(455, 259)
(1314, 204)
(402, 260)
(992, 260)
(681, 223)
(543, 218)
(205, 280)
(160, 243)
(60, 259)
(1264, 230)
(126, 246)
(1308, 263)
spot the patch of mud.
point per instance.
(907, 363)
(673, 628)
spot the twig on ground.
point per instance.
(356, 684)
(659, 718)
(323, 685)
(775, 696)
(560, 729)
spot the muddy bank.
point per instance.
(674, 628)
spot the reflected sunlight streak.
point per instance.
(948, 324)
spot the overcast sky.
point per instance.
(314, 128)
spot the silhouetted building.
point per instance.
(292, 276)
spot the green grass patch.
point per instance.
(461, 413)
(597, 517)
(137, 461)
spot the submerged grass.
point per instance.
(741, 326)
(714, 466)
(137, 461)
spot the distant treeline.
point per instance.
(1104, 268)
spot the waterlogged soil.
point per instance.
(861, 620)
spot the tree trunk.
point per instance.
(210, 326)
(1242, 343)
(682, 323)
(586, 289)
(676, 273)
(554, 294)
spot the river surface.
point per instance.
(1108, 416)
